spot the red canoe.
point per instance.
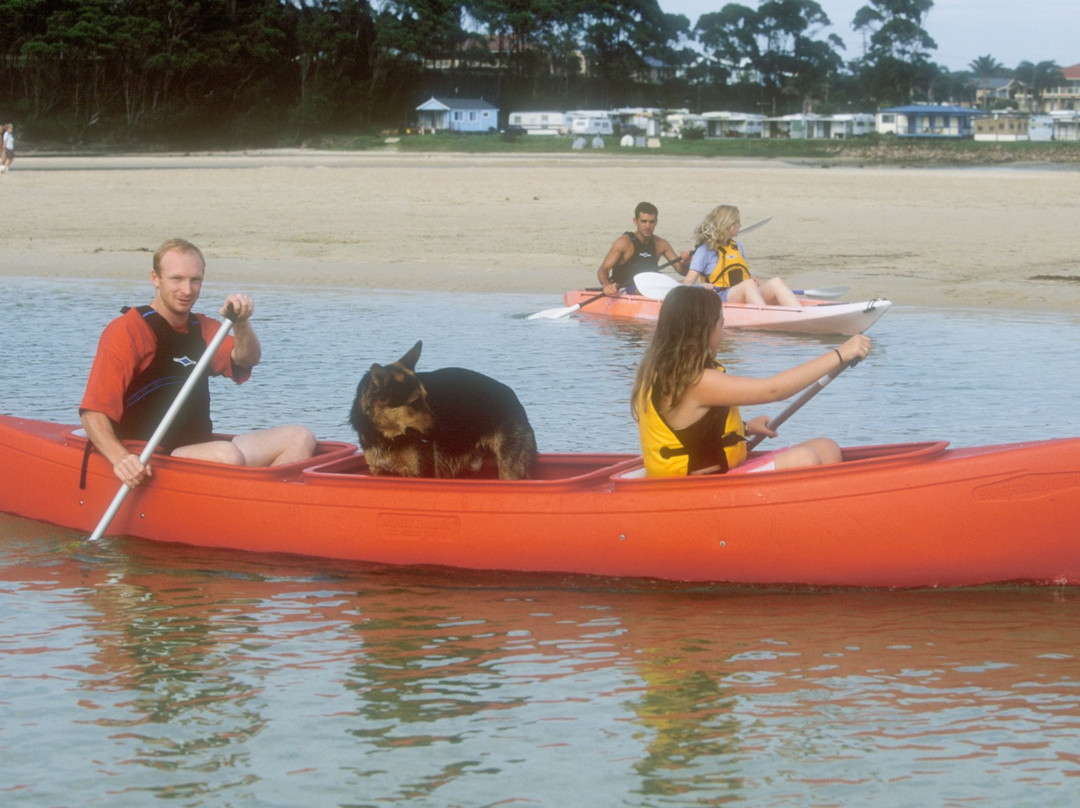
(905, 515)
(812, 317)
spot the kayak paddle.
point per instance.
(796, 405)
(170, 416)
(564, 311)
(655, 285)
(828, 293)
(750, 228)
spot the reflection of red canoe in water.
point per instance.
(812, 317)
(915, 514)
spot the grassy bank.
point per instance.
(873, 149)
(868, 150)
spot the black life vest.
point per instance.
(151, 393)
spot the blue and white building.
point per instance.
(458, 115)
(927, 120)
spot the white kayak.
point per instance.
(811, 317)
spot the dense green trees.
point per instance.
(1037, 78)
(778, 42)
(268, 69)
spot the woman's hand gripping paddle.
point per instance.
(170, 416)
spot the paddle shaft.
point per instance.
(166, 422)
(562, 311)
(748, 229)
(830, 293)
(587, 301)
(797, 404)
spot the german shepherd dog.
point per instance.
(450, 422)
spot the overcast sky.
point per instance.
(1011, 31)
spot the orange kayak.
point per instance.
(902, 515)
(811, 317)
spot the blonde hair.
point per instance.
(718, 227)
(179, 245)
(679, 350)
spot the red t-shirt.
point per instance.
(127, 346)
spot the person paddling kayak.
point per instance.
(721, 261)
(637, 251)
(687, 406)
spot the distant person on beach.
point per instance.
(145, 356)
(636, 251)
(720, 260)
(9, 148)
(687, 407)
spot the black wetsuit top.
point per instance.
(644, 259)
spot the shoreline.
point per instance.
(951, 236)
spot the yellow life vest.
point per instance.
(731, 268)
(716, 442)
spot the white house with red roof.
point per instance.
(1065, 95)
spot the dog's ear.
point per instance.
(409, 360)
(379, 375)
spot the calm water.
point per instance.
(133, 673)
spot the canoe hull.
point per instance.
(909, 515)
(812, 317)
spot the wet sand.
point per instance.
(920, 236)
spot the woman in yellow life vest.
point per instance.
(720, 260)
(687, 407)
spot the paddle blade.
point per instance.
(750, 228)
(554, 314)
(828, 293)
(654, 285)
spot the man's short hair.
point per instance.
(179, 245)
(645, 207)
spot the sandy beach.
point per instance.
(919, 236)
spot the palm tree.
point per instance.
(1038, 78)
(985, 68)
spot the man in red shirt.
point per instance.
(145, 356)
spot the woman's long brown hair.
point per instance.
(679, 351)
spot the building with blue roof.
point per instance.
(927, 120)
(458, 115)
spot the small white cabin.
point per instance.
(458, 115)
(541, 123)
(1041, 129)
(788, 127)
(642, 120)
(1003, 127)
(1066, 124)
(808, 126)
(733, 124)
(676, 122)
(590, 122)
(852, 124)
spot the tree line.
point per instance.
(271, 70)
